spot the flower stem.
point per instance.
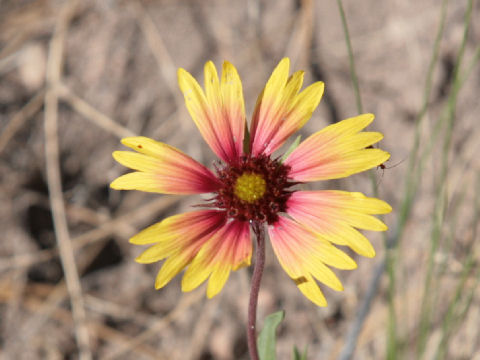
(259, 231)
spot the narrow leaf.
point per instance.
(291, 148)
(266, 339)
(297, 355)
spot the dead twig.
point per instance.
(298, 47)
(20, 117)
(54, 66)
(106, 229)
(362, 313)
(154, 40)
(202, 329)
(92, 114)
(157, 326)
(57, 294)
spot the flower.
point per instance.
(253, 187)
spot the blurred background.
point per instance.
(77, 76)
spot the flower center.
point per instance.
(253, 189)
(250, 187)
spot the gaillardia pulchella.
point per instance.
(251, 186)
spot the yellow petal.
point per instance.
(212, 89)
(302, 254)
(332, 256)
(219, 112)
(172, 267)
(186, 225)
(218, 279)
(163, 169)
(136, 161)
(350, 126)
(195, 275)
(365, 222)
(323, 274)
(337, 151)
(233, 103)
(277, 80)
(281, 110)
(331, 214)
(156, 253)
(137, 181)
(310, 289)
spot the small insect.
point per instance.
(383, 166)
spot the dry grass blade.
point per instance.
(157, 326)
(50, 309)
(54, 66)
(106, 229)
(298, 47)
(159, 50)
(202, 329)
(19, 119)
(92, 114)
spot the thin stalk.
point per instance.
(392, 342)
(412, 175)
(451, 318)
(390, 257)
(354, 77)
(442, 195)
(411, 184)
(351, 59)
(259, 231)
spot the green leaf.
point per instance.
(297, 355)
(266, 339)
(291, 148)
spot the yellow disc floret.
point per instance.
(250, 187)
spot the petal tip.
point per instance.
(187, 286)
(388, 208)
(183, 78)
(134, 240)
(228, 67)
(366, 119)
(136, 142)
(159, 284)
(285, 61)
(139, 260)
(321, 302)
(117, 155)
(128, 140)
(320, 85)
(370, 253)
(181, 72)
(117, 184)
(350, 265)
(211, 293)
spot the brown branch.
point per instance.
(106, 229)
(54, 67)
(157, 326)
(298, 46)
(20, 117)
(159, 50)
(92, 114)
